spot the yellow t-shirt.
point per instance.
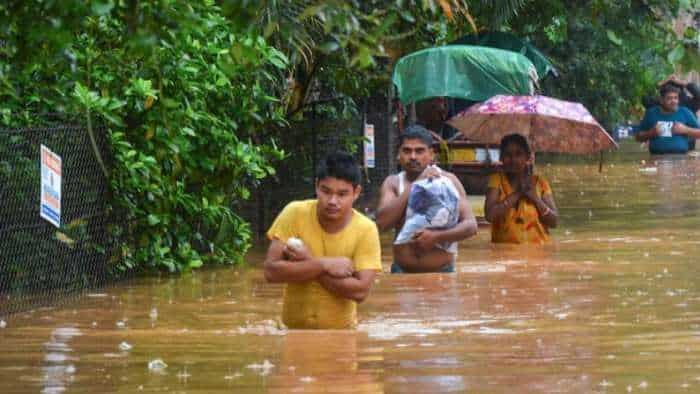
(308, 304)
(521, 223)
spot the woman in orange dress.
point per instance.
(519, 205)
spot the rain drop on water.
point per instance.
(605, 383)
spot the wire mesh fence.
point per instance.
(309, 141)
(39, 262)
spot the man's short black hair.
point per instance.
(416, 132)
(339, 165)
(669, 88)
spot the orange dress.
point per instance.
(521, 223)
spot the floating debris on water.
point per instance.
(124, 346)
(605, 383)
(395, 328)
(265, 327)
(234, 376)
(153, 314)
(264, 368)
(483, 268)
(676, 253)
(306, 379)
(157, 365)
(643, 385)
(3, 324)
(648, 170)
(121, 324)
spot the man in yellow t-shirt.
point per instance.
(335, 267)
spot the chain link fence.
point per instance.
(41, 263)
(309, 141)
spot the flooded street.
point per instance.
(612, 306)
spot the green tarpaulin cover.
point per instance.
(462, 71)
(510, 42)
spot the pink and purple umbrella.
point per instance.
(549, 124)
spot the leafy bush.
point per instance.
(184, 98)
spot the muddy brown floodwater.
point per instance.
(612, 306)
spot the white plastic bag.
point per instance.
(432, 204)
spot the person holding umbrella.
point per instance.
(519, 205)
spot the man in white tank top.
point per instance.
(415, 156)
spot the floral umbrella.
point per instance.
(549, 124)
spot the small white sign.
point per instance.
(50, 208)
(369, 145)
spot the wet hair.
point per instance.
(516, 139)
(339, 165)
(416, 132)
(669, 88)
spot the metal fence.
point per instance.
(307, 142)
(39, 262)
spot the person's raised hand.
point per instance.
(679, 128)
(527, 189)
(430, 172)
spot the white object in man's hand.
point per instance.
(295, 250)
(295, 243)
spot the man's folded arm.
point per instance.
(355, 287)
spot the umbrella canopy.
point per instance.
(510, 42)
(551, 125)
(463, 71)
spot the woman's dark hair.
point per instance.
(416, 132)
(339, 165)
(514, 139)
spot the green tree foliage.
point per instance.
(347, 47)
(609, 53)
(184, 94)
(194, 92)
